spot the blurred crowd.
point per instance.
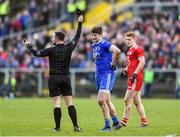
(157, 0)
(33, 14)
(158, 34)
(30, 15)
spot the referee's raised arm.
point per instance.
(73, 43)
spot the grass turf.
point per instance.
(34, 117)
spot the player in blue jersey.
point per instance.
(105, 57)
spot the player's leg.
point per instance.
(116, 125)
(102, 98)
(140, 108)
(111, 107)
(112, 110)
(128, 106)
(103, 85)
(67, 93)
(138, 103)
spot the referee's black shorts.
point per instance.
(59, 85)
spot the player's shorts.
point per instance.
(59, 85)
(105, 81)
(137, 85)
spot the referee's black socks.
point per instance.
(72, 114)
(57, 117)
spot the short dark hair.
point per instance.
(97, 29)
(60, 35)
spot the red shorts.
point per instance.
(137, 85)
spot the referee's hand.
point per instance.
(80, 18)
(26, 43)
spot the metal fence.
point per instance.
(34, 82)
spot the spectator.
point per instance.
(7, 88)
(4, 8)
(148, 81)
(177, 92)
(159, 36)
(71, 9)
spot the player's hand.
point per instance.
(113, 67)
(123, 73)
(27, 44)
(133, 78)
(80, 18)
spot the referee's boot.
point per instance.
(116, 126)
(77, 129)
(56, 130)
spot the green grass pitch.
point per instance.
(34, 117)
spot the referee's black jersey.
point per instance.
(59, 55)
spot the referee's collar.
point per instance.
(62, 44)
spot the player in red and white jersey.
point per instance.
(134, 71)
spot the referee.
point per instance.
(59, 80)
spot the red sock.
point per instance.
(124, 121)
(144, 121)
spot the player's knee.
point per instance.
(126, 102)
(108, 103)
(135, 102)
(128, 107)
(101, 101)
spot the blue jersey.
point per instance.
(102, 56)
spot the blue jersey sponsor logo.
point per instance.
(96, 54)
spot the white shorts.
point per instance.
(105, 91)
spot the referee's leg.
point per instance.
(55, 93)
(57, 112)
(72, 112)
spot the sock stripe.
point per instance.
(124, 120)
(144, 121)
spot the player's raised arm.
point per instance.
(41, 53)
(115, 55)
